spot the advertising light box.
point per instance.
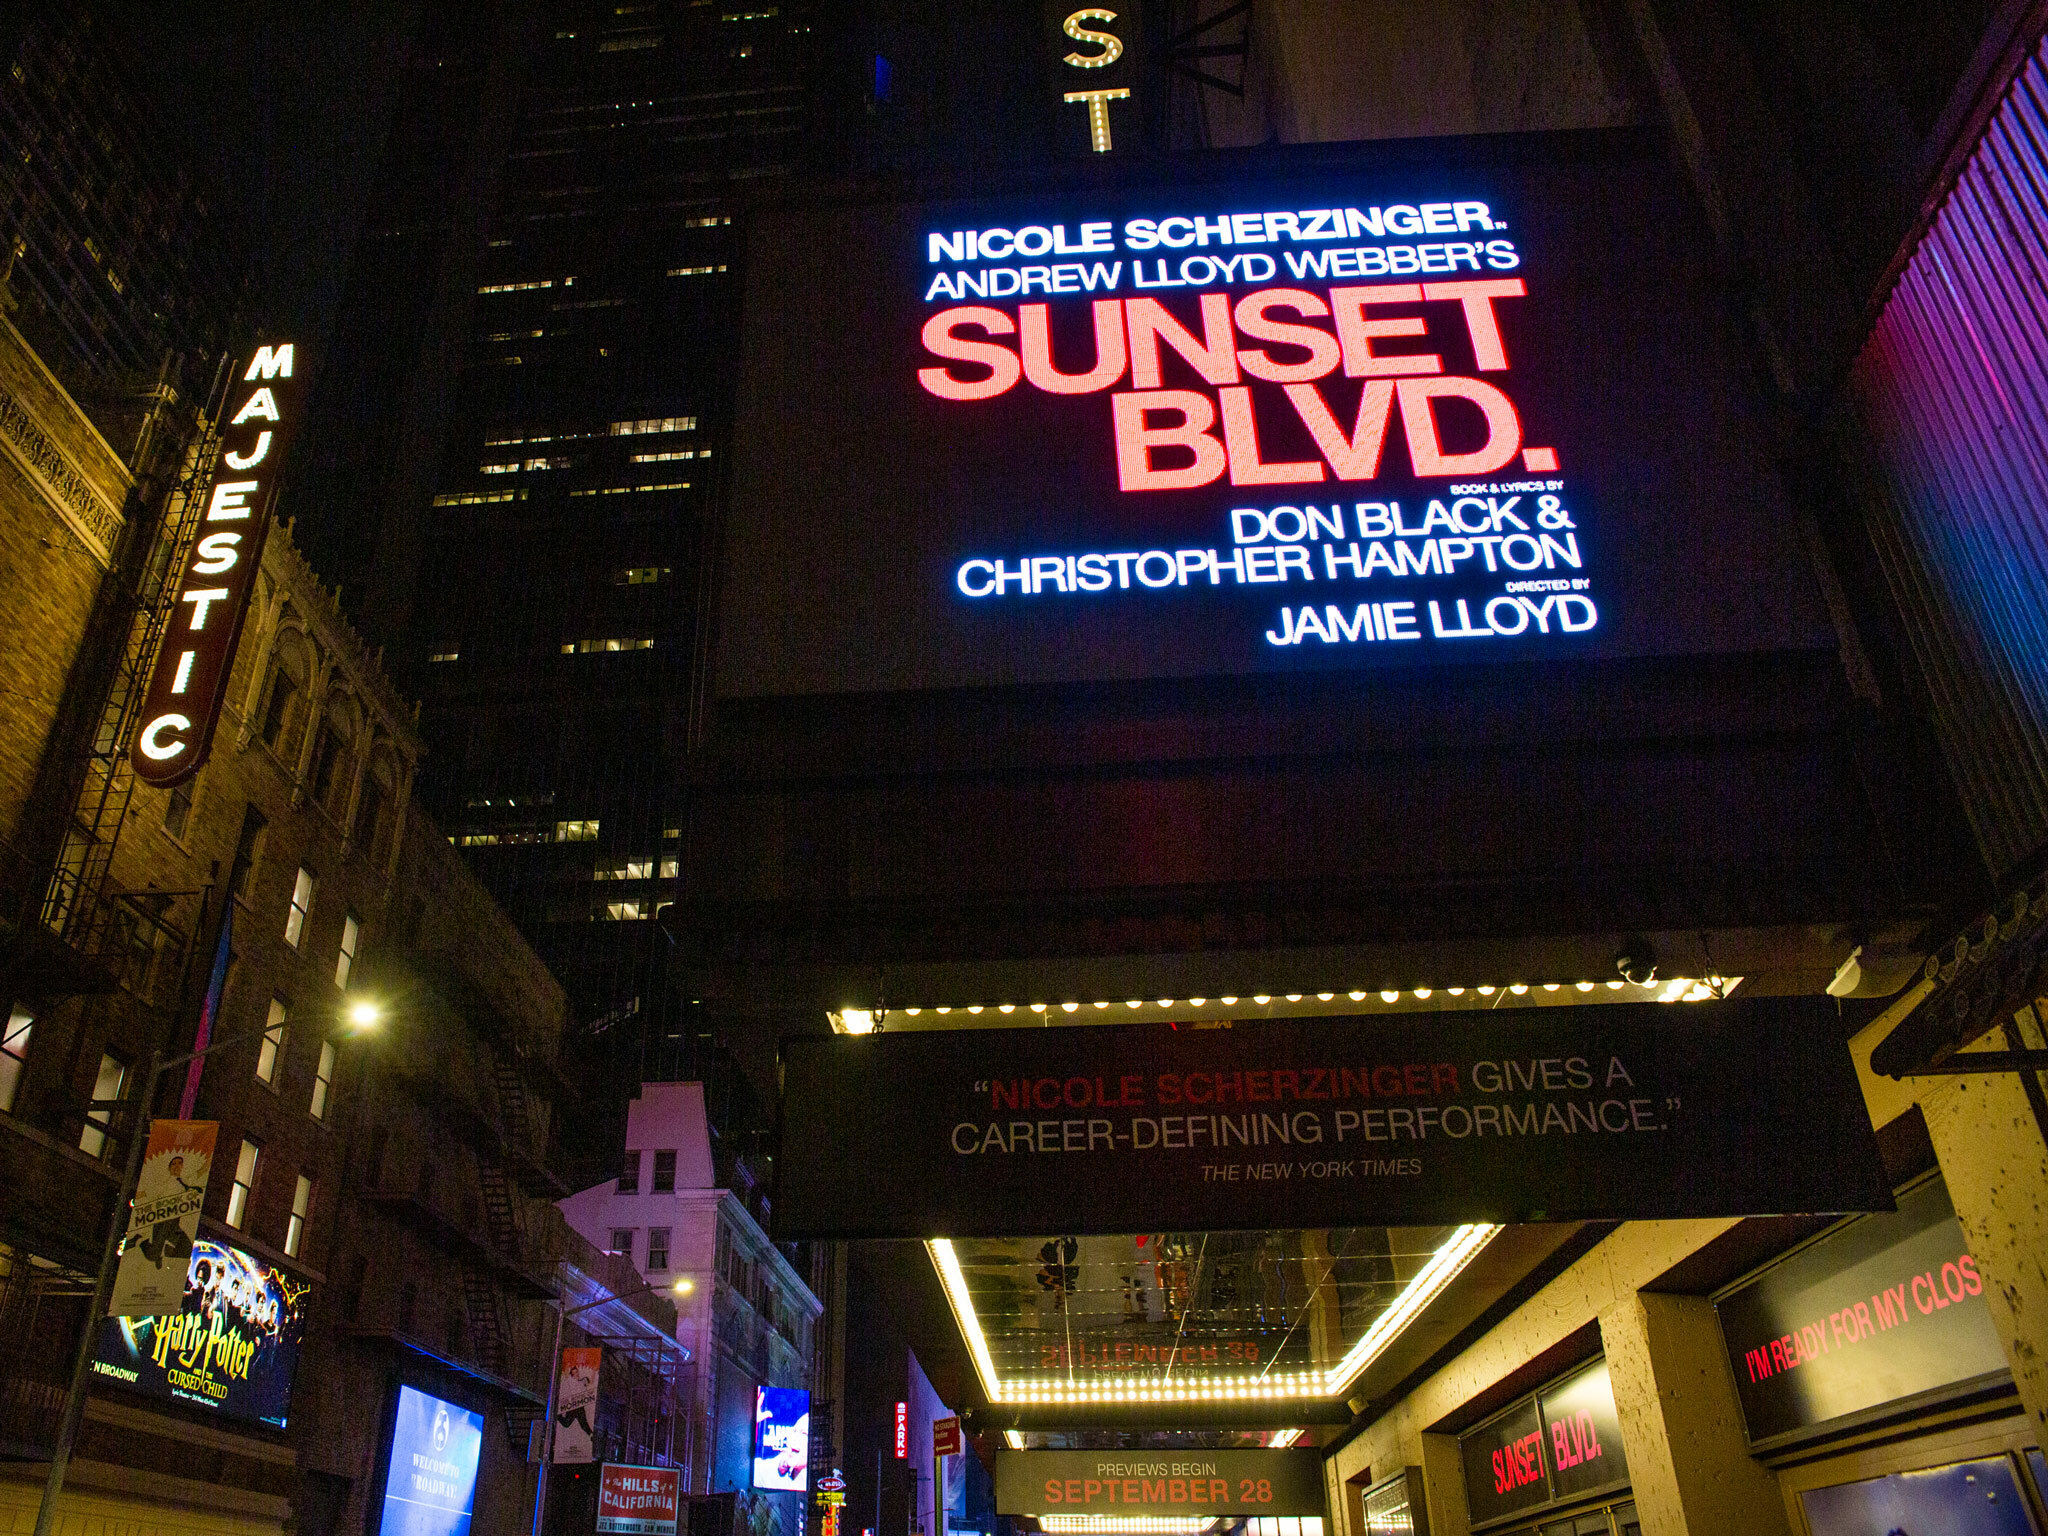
(1591, 1113)
(430, 1485)
(234, 1348)
(1375, 418)
(782, 1438)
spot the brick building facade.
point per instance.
(389, 1185)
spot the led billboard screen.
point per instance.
(233, 1350)
(430, 1486)
(1368, 418)
(782, 1438)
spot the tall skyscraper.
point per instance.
(536, 575)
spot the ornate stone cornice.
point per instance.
(88, 514)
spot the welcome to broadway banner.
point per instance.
(1610, 1112)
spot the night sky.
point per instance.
(283, 108)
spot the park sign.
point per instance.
(1623, 1111)
(190, 683)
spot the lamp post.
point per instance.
(682, 1286)
(362, 1014)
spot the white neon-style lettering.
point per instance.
(230, 500)
(184, 677)
(253, 457)
(270, 363)
(217, 553)
(261, 405)
(151, 741)
(201, 600)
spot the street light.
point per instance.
(362, 1015)
(681, 1286)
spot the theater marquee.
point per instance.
(1449, 413)
(1625, 1111)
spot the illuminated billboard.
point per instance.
(1433, 413)
(232, 1350)
(430, 1483)
(782, 1438)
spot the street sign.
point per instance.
(945, 1437)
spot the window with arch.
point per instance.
(376, 805)
(334, 757)
(284, 700)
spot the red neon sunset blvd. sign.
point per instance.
(1219, 432)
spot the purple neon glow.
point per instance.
(1951, 391)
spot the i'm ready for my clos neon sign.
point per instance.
(1335, 287)
(191, 680)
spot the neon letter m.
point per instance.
(270, 363)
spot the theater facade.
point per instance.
(1400, 826)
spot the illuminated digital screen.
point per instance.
(430, 1486)
(232, 1350)
(1379, 418)
(782, 1438)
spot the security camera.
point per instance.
(1637, 963)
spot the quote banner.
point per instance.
(163, 1223)
(1622, 1111)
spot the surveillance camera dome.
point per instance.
(1637, 963)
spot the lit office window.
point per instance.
(14, 1055)
(654, 424)
(545, 282)
(323, 1080)
(586, 647)
(641, 575)
(696, 271)
(706, 221)
(272, 1048)
(302, 907)
(622, 1242)
(627, 911)
(576, 831)
(666, 455)
(295, 1229)
(245, 1183)
(351, 932)
(657, 1249)
(113, 1077)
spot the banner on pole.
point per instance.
(576, 1405)
(163, 1223)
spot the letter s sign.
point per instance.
(1111, 45)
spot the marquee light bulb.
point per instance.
(1389, 995)
(1229, 1002)
(1324, 997)
(1358, 997)
(1294, 997)
(1456, 991)
(1198, 1002)
(1422, 991)
(1102, 1005)
(1487, 991)
(1068, 1007)
(1262, 998)
(1006, 1007)
(1519, 988)
(974, 1008)
(1583, 986)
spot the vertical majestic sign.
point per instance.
(191, 679)
(163, 1223)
